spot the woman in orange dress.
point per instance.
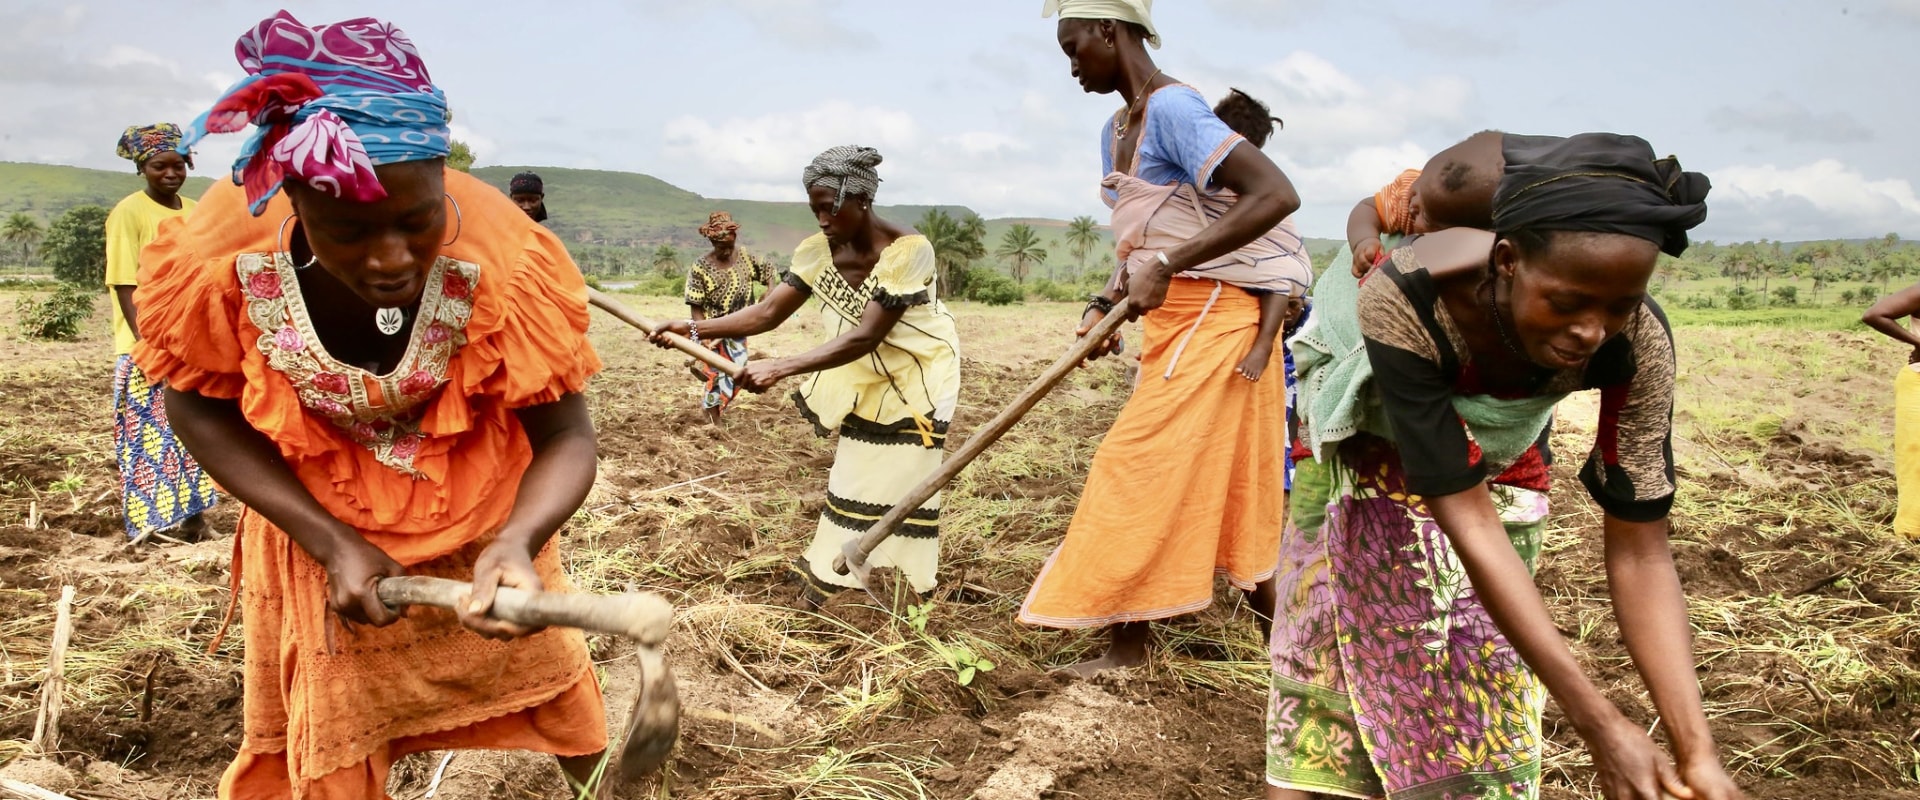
(366, 360)
(1189, 483)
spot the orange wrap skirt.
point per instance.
(1189, 482)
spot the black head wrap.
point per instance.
(526, 183)
(1602, 182)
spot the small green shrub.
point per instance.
(1057, 292)
(59, 316)
(995, 289)
(76, 246)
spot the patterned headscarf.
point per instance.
(848, 168)
(719, 222)
(1394, 203)
(1138, 12)
(142, 142)
(332, 102)
(526, 183)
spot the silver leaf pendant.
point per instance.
(389, 320)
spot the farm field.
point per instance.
(1803, 603)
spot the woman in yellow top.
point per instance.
(887, 380)
(1886, 317)
(161, 486)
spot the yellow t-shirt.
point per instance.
(132, 224)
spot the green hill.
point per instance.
(640, 211)
(45, 191)
(595, 211)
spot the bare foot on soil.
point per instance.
(1106, 663)
(1126, 647)
(195, 529)
(592, 769)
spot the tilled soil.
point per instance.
(1805, 614)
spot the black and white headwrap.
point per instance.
(849, 169)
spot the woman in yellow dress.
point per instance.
(887, 380)
(161, 486)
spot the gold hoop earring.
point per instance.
(281, 234)
(459, 222)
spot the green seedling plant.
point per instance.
(965, 663)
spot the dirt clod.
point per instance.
(48, 775)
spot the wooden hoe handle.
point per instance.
(681, 343)
(991, 432)
(643, 617)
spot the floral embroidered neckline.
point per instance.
(380, 412)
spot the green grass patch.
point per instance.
(1801, 319)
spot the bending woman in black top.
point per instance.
(1412, 652)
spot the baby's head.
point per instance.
(1455, 190)
(1248, 117)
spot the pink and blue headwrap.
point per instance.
(331, 102)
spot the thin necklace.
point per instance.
(1120, 124)
(1500, 323)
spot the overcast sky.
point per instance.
(1802, 111)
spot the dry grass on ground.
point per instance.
(1803, 603)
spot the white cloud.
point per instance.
(1032, 154)
(797, 23)
(1026, 158)
(1268, 13)
(1824, 199)
(1898, 10)
(128, 85)
(1345, 136)
(485, 149)
(1330, 113)
(749, 156)
(1780, 115)
(1332, 188)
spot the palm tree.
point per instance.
(1737, 263)
(1083, 235)
(1767, 263)
(1884, 269)
(974, 229)
(1020, 247)
(944, 234)
(22, 230)
(956, 245)
(666, 261)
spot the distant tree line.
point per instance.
(1768, 273)
(1710, 275)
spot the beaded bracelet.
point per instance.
(693, 330)
(1096, 301)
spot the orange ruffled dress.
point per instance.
(422, 461)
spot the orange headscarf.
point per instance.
(1394, 202)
